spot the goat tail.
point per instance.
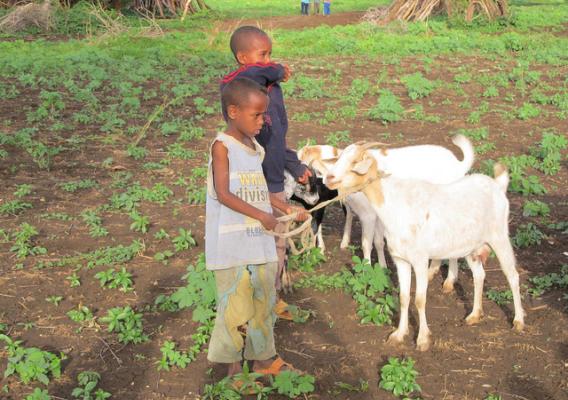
(501, 176)
(468, 152)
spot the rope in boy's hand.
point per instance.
(307, 236)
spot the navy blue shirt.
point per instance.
(272, 136)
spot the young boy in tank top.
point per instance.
(238, 210)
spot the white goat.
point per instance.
(428, 221)
(431, 163)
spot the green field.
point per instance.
(103, 157)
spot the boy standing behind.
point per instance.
(252, 49)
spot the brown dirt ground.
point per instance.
(464, 363)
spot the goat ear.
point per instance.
(362, 167)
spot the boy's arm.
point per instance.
(295, 166)
(228, 199)
(264, 74)
(287, 208)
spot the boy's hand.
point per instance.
(269, 221)
(287, 72)
(302, 214)
(305, 177)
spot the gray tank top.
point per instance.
(232, 239)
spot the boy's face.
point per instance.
(248, 118)
(259, 51)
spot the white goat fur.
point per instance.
(431, 163)
(428, 221)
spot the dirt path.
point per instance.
(295, 22)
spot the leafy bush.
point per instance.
(544, 283)
(388, 108)
(417, 85)
(536, 208)
(31, 363)
(88, 381)
(500, 297)
(527, 235)
(399, 377)
(292, 384)
(127, 323)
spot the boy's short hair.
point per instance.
(241, 37)
(237, 92)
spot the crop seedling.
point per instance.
(14, 207)
(292, 384)
(55, 300)
(388, 108)
(23, 190)
(183, 241)
(161, 234)
(493, 397)
(399, 377)
(372, 289)
(417, 86)
(306, 261)
(74, 280)
(23, 246)
(536, 208)
(73, 186)
(140, 223)
(338, 138)
(127, 323)
(550, 152)
(83, 316)
(163, 256)
(527, 111)
(115, 279)
(528, 235)
(30, 363)
(88, 381)
(39, 394)
(172, 357)
(94, 222)
(500, 297)
(544, 283)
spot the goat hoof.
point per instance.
(344, 245)
(395, 339)
(448, 287)
(473, 318)
(423, 345)
(518, 325)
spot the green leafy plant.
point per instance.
(527, 111)
(292, 384)
(23, 246)
(527, 235)
(500, 297)
(39, 394)
(74, 280)
(14, 207)
(306, 261)
(74, 186)
(127, 323)
(55, 300)
(536, 208)
(372, 289)
(493, 397)
(183, 241)
(140, 223)
(543, 283)
(417, 85)
(88, 381)
(23, 190)
(172, 357)
(399, 377)
(338, 138)
(116, 279)
(94, 222)
(30, 363)
(549, 151)
(388, 108)
(83, 316)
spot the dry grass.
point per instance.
(28, 15)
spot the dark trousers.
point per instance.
(305, 8)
